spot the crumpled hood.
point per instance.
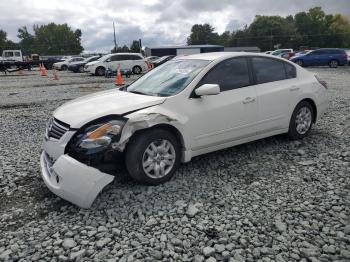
(80, 111)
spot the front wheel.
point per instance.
(153, 156)
(301, 122)
(299, 62)
(100, 71)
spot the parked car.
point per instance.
(331, 57)
(133, 61)
(162, 60)
(64, 64)
(281, 52)
(79, 66)
(152, 58)
(348, 54)
(186, 107)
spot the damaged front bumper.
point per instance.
(73, 180)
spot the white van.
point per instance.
(132, 61)
(14, 55)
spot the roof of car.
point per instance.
(217, 55)
(125, 54)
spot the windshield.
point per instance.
(103, 58)
(169, 78)
(90, 59)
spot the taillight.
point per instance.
(322, 82)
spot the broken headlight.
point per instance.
(96, 137)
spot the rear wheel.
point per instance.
(64, 67)
(153, 156)
(333, 64)
(100, 71)
(81, 69)
(301, 122)
(137, 70)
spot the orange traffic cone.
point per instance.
(42, 70)
(119, 80)
(55, 75)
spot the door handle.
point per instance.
(294, 88)
(248, 100)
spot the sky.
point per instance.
(156, 22)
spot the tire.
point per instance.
(333, 64)
(81, 69)
(299, 62)
(100, 71)
(137, 70)
(304, 113)
(64, 67)
(137, 156)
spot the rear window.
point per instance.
(268, 70)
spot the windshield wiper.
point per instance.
(123, 88)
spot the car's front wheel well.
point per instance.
(173, 130)
(314, 108)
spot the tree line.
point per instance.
(50, 39)
(313, 28)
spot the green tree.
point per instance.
(57, 39)
(3, 39)
(135, 47)
(202, 34)
(27, 41)
(121, 49)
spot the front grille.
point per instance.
(57, 129)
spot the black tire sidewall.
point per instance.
(136, 149)
(292, 132)
(135, 68)
(300, 63)
(336, 65)
(64, 68)
(81, 69)
(98, 71)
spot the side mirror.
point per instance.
(208, 90)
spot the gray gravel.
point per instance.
(271, 200)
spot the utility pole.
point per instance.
(115, 41)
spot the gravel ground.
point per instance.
(270, 200)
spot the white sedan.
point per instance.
(189, 106)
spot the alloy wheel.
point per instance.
(159, 158)
(303, 120)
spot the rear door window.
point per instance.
(229, 74)
(291, 72)
(268, 70)
(116, 58)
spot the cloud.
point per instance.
(156, 22)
